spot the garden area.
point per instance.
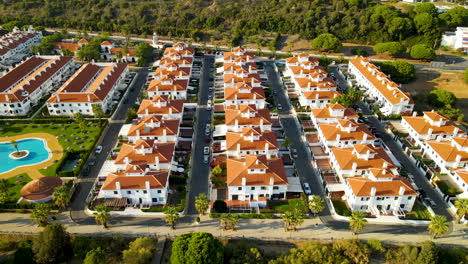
(279, 207)
(11, 188)
(77, 140)
(419, 212)
(341, 208)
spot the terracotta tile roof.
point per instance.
(315, 72)
(91, 83)
(233, 139)
(157, 180)
(180, 71)
(390, 90)
(155, 106)
(345, 157)
(422, 125)
(131, 52)
(230, 93)
(331, 131)
(40, 188)
(381, 173)
(238, 169)
(325, 112)
(83, 41)
(106, 42)
(169, 61)
(362, 187)
(34, 72)
(168, 84)
(308, 83)
(185, 51)
(233, 113)
(170, 126)
(448, 151)
(73, 47)
(462, 141)
(13, 39)
(251, 78)
(463, 174)
(135, 156)
(321, 95)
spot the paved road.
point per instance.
(306, 172)
(107, 140)
(199, 172)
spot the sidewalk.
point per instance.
(265, 229)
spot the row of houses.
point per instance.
(354, 166)
(15, 45)
(255, 170)
(138, 175)
(73, 88)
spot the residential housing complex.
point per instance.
(25, 85)
(255, 170)
(14, 46)
(378, 87)
(92, 84)
(139, 172)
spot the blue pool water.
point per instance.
(37, 153)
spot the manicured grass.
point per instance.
(341, 208)
(419, 212)
(16, 185)
(289, 205)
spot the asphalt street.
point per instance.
(199, 172)
(307, 173)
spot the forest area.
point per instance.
(239, 21)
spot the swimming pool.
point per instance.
(38, 152)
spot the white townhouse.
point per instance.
(251, 141)
(431, 126)
(238, 117)
(109, 52)
(331, 113)
(155, 43)
(168, 85)
(254, 179)
(146, 153)
(15, 45)
(244, 93)
(317, 99)
(461, 39)
(25, 85)
(344, 134)
(461, 178)
(154, 128)
(448, 155)
(387, 94)
(356, 161)
(161, 105)
(378, 191)
(92, 84)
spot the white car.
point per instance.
(280, 107)
(209, 105)
(98, 149)
(206, 150)
(206, 159)
(307, 189)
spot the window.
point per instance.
(410, 197)
(145, 191)
(129, 192)
(252, 188)
(247, 196)
(275, 188)
(380, 198)
(263, 188)
(396, 198)
(115, 192)
(155, 200)
(159, 191)
(239, 188)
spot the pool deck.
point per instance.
(33, 170)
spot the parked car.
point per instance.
(307, 189)
(280, 107)
(206, 150)
(294, 153)
(210, 96)
(430, 201)
(209, 104)
(91, 162)
(207, 131)
(98, 149)
(206, 159)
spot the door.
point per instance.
(388, 207)
(235, 197)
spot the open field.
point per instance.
(427, 80)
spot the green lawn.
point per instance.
(419, 212)
(341, 208)
(289, 205)
(16, 185)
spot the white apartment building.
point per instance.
(331, 113)
(251, 141)
(109, 52)
(22, 87)
(379, 87)
(431, 126)
(93, 83)
(461, 39)
(238, 117)
(15, 45)
(344, 134)
(170, 86)
(448, 155)
(154, 128)
(161, 105)
(152, 156)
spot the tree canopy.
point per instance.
(400, 71)
(197, 247)
(326, 42)
(441, 98)
(51, 245)
(422, 52)
(391, 48)
(140, 251)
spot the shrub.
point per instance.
(220, 206)
(422, 52)
(359, 52)
(441, 98)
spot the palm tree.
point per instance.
(79, 119)
(357, 222)
(438, 226)
(462, 208)
(14, 144)
(4, 189)
(224, 221)
(201, 203)
(316, 204)
(293, 219)
(102, 215)
(171, 216)
(62, 196)
(287, 142)
(40, 214)
(233, 219)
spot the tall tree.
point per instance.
(80, 121)
(316, 204)
(50, 245)
(61, 196)
(98, 112)
(40, 214)
(438, 226)
(197, 248)
(462, 208)
(357, 222)
(292, 220)
(201, 203)
(422, 52)
(14, 144)
(171, 216)
(102, 215)
(326, 42)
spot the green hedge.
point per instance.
(248, 216)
